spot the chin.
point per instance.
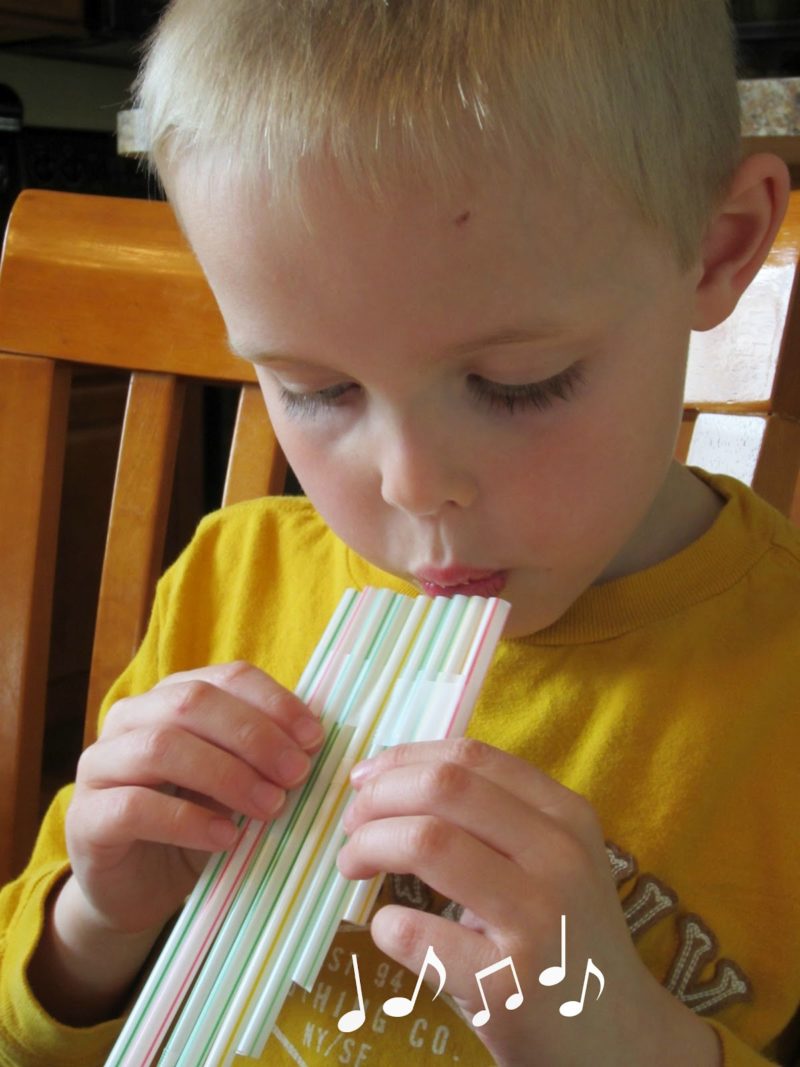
(532, 611)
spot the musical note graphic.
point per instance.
(352, 1020)
(482, 1017)
(554, 975)
(570, 1008)
(397, 1007)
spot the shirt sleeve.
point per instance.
(29, 1037)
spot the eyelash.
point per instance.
(504, 398)
(311, 403)
(538, 395)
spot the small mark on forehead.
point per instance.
(463, 218)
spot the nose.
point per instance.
(422, 472)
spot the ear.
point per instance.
(740, 236)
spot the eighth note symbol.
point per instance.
(397, 1007)
(574, 1007)
(482, 1017)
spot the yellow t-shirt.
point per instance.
(668, 698)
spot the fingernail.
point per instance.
(293, 766)
(307, 732)
(362, 771)
(268, 797)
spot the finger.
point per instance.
(516, 776)
(251, 686)
(168, 756)
(407, 935)
(119, 817)
(464, 798)
(443, 856)
(197, 707)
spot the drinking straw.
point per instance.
(278, 907)
(265, 912)
(451, 646)
(233, 938)
(196, 926)
(490, 627)
(382, 610)
(222, 1052)
(473, 648)
(425, 651)
(265, 1024)
(363, 894)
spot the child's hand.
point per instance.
(518, 850)
(155, 793)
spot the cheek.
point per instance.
(583, 486)
(312, 464)
(335, 483)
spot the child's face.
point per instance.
(411, 430)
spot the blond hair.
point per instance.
(638, 94)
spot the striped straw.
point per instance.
(197, 924)
(387, 669)
(446, 652)
(205, 1024)
(277, 906)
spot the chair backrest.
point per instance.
(109, 282)
(112, 282)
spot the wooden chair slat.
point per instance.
(256, 466)
(786, 392)
(685, 433)
(129, 255)
(777, 473)
(34, 402)
(136, 531)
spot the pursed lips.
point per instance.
(454, 581)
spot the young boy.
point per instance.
(464, 243)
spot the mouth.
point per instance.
(461, 581)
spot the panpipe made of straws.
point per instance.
(388, 669)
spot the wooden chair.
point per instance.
(112, 282)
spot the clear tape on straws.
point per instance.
(388, 669)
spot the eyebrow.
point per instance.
(510, 336)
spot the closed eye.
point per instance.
(537, 395)
(507, 399)
(311, 403)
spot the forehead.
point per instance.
(503, 239)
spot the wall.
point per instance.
(55, 92)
